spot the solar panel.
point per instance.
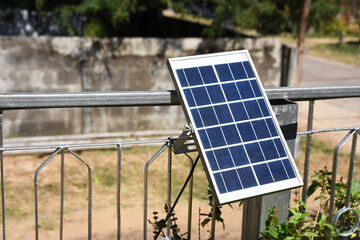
(240, 143)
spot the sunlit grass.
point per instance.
(329, 47)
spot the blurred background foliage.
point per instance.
(107, 18)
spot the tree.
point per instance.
(271, 17)
(301, 39)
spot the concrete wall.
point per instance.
(64, 64)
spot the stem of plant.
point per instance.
(177, 198)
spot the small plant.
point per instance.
(158, 223)
(208, 216)
(304, 226)
(299, 227)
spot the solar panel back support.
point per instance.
(235, 130)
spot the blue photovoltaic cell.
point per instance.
(222, 157)
(239, 155)
(264, 110)
(278, 170)
(253, 109)
(193, 76)
(248, 70)
(231, 180)
(261, 129)
(246, 131)
(255, 88)
(280, 147)
(182, 78)
(238, 70)
(215, 94)
(201, 96)
(216, 137)
(231, 92)
(224, 72)
(238, 111)
(189, 98)
(220, 183)
(288, 168)
(269, 149)
(245, 90)
(231, 134)
(208, 116)
(247, 177)
(263, 174)
(204, 139)
(207, 74)
(197, 119)
(223, 113)
(212, 160)
(237, 133)
(271, 127)
(254, 152)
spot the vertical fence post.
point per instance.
(118, 185)
(169, 187)
(2, 174)
(255, 210)
(308, 149)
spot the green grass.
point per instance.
(329, 47)
(347, 52)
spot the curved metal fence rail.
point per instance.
(16, 101)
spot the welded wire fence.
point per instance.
(9, 102)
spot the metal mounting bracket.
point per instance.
(185, 142)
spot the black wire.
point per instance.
(177, 198)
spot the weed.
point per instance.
(303, 226)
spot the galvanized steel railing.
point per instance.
(124, 99)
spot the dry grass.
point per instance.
(20, 196)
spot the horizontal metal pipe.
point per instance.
(328, 130)
(84, 145)
(10, 101)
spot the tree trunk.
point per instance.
(301, 39)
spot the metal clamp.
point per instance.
(355, 225)
(181, 145)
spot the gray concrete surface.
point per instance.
(330, 113)
(72, 64)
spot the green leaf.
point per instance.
(273, 233)
(289, 238)
(320, 197)
(205, 221)
(329, 225)
(314, 185)
(355, 187)
(310, 234)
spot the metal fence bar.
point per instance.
(169, 186)
(308, 149)
(190, 199)
(123, 99)
(84, 145)
(334, 169)
(37, 171)
(9, 101)
(146, 181)
(2, 175)
(62, 179)
(351, 169)
(327, 130)
(118, 194)
(89, 193)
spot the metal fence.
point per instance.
(18, 101)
